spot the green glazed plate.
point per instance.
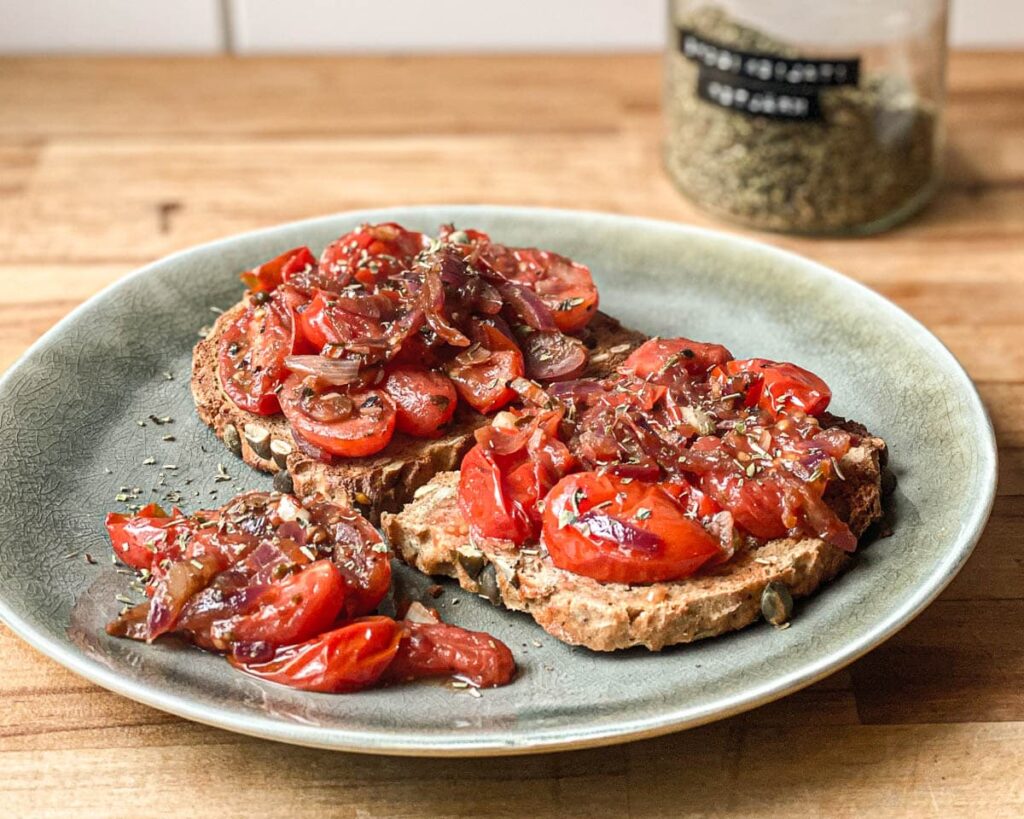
(70, 439)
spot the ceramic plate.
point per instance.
(75, 428)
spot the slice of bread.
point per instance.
(381, 482)
(432, 535)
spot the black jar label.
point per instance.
(762, 84)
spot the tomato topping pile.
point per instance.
(288, 591)
(669, 466)
(389, 329)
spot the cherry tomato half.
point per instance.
(143, 539)
(565, 286)
(776, 387)
(293, 609)
(484, 384)
(371, 253)
(328, 320)
(348, 424)
(658, 354)
(271, 275)
(253, 349)
(656, 541)
(346, 659)
(425, 400)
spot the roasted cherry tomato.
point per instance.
(489, 503)
(513, 466)
(638, 532)
(482, 373)
(371, 253)
(336, 320)
(271, 275)
(253, 349)
(339, 661)
(348, 424)
(438, 649)
(360, 555)
(143, 539)
(565, 286)
(293, 609)
(776, 387)
(425, 400)
(662, 354)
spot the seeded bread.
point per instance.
(381, 482)
(432, 535)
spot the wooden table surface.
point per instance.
(107, 164)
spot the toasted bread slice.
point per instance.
(381, 482)
(432, 535)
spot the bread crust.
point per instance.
(432, 535)
(378, 483)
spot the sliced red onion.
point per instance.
(528, 306)
(551, 355)
(336, 371)
(184, 579)
(608, 527)
(292, 530)
(576, 390)
(432, 301)
(131, 624)
(477, 354)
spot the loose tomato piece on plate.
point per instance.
(371, 253)
(658, 354)
(346, 659)
(425, 400)
(293, 609)
(348, 424)
(271, 275)
(438, 649)
(143, 539)
(619, 531)
(253, 349)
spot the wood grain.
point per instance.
(105, 164)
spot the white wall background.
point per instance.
(353, 26)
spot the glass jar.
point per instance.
(806, 117)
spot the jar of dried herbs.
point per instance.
(803, 116)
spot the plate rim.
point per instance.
(544, 740)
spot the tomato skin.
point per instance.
(694, 356)
(425, 401)
(132, 535)
(346, 659)
(685, 545)
(253, 349)
(366, 432)
(271, 275)
(293, 609)
(438, 649)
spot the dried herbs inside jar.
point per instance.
(827, 158)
